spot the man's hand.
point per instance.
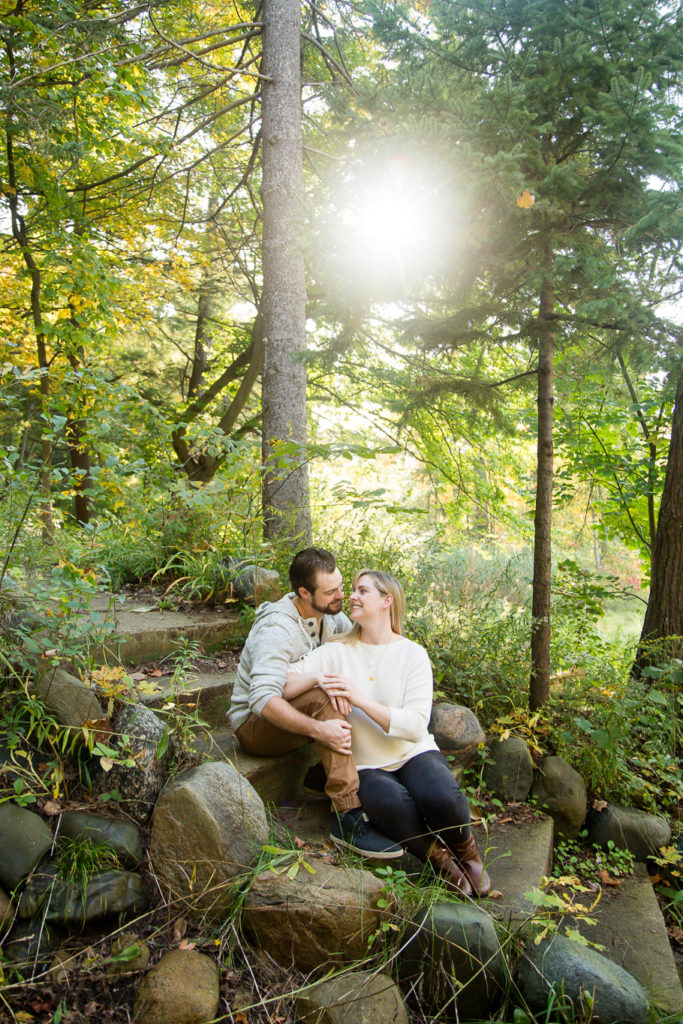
(335, 734)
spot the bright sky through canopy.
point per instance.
(390, 228)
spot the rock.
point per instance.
(457, 732)
(140, 784)
(122, 836)
(60, 901)
(24, 839)
(629, 829)
(181, 988)
(62, 965)
(509, 771)
(452, 961)
(312, 920)
(560, 791)
(251, 583)
(72, 701)
(128, 955)
(360, 997)
(570, 967)
(5, 910)
(30, 944)
(209, 825)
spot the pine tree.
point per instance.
(561, 128)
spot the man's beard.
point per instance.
(333, 608)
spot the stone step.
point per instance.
(631, 928)
(277, 780)
(517, 857)
(210, 692)
(144, 632)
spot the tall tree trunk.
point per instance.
(664, 615)
(285, 487)
(202, 337)
(539, 686)
(20, 235)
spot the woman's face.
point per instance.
(367, 602)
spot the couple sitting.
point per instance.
(363, 693)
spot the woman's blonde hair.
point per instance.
(386, 584)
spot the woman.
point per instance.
(383, 682)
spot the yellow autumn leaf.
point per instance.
(526, 200)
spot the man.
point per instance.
(266, 723)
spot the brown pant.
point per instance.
(264, 739)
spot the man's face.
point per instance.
(328, 594)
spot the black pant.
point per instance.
(414, 802)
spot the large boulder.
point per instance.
(573, 969)
(182, 988)
(122, 836)
(208, 827)
(457, 732)
(560, 791)
(628, 829)
(139, 782)
(24, 839)
(252, 583)
(509, 771)
(452, 961)
(359, 997)
(72, 702)
(311, 920)
(61, 901)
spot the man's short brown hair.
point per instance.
(306, 566)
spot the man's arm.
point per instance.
(334, 733)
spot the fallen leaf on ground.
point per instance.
(495, 894)
(607, 879)
(599, 805)
(51, 807)
(186, 945)
(141, 609)
(39, 1005)
(179, 929)
(676, 934)
(299, 843)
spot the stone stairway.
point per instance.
(629, 923)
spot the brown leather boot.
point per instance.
(469, 860)
(444, 865)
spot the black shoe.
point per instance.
(315, 780)
(352, 831)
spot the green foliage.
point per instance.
(183, 720)
(572, 858)
(80, 858)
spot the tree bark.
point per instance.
(539, 686)
(20, 235)
(664, 615)
(285, 486)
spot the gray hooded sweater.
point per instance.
(278, 637)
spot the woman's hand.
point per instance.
(341, 690)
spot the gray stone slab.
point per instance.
(517, 857)
(209, 691)
(631, 928)
(148, 633)
(275, 779)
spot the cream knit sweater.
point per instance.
(397, 675)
